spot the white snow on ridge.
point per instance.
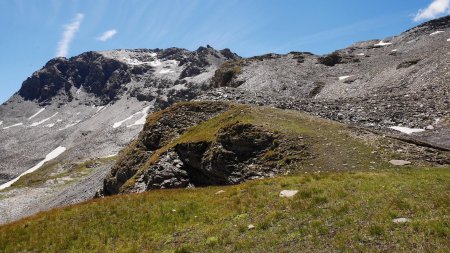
(165, 71)
(437, 32)
(52, 155)
(448, 40)
(382, 44)
(134, 61)
(341, 78)
(360, 54)
(43, 121)
(1, 123)
(407, 130)
(15, 125)
(394, 50)
(36, 114)
(143, 119)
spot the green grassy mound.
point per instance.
(305, 143)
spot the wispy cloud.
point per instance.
(436, 8)
(107, 35)
(69, 33)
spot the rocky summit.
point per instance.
(126, 121)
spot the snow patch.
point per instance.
(382, 44)
(166, 71)
(171, 62)
(15, 125)
(100, 108)
(1, 123)
(140, 121)
(50, 125)
(437, 32)
(448, 40)
(119, 123)
(79, 90)
(341, 78)
(407, 130)
(70, 125)
(52, 155)
(155, 63)
(360, 54)
(43, 121)
(36, 114)
(143, 119)
(134, 61)
(394, 50)
(109, 156)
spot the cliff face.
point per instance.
(98, 75)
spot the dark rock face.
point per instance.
(336, 58)
(407, 64)
(98, 75)
(225, 75)
(234, 157)
(161, 128)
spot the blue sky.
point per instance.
(35, 31)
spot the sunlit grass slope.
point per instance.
(346, 211)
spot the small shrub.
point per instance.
(376, 230)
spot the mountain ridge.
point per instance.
(95, 103)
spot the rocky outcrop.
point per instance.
(161, 128)
(98, 75)
(236, 152)
(336, 58)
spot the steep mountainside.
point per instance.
(399, 81)
(91, 106)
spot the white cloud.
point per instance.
(107, 35)
(436, 8)
(68, 35)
